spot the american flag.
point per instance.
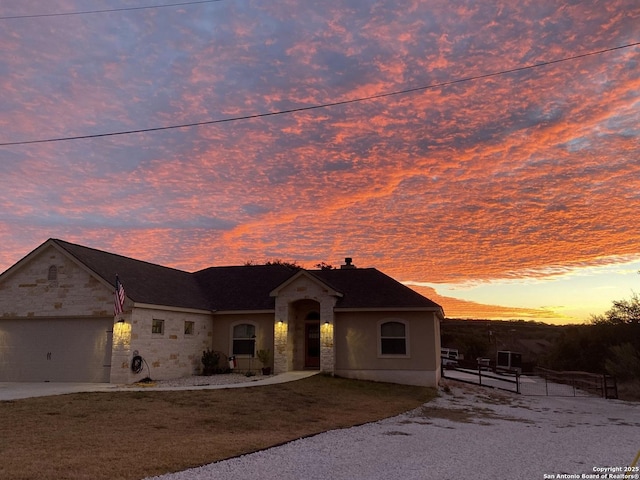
(118, 297)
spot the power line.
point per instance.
(122, 9)
(326, 105)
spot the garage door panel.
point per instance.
(55, 350)
(22, 355)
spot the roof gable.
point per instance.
(308, 274)
(26, 259)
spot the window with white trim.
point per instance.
(393, 338)
(244, 339)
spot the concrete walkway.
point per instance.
(19, 390)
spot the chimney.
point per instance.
(348, 263)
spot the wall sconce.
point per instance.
(120, 320)
(326, 335)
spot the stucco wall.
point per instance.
(172, 354)
(27, 292)
(222, 335)
(357, 347)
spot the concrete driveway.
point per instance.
(19, 390)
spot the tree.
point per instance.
(292, 265)
(324, 266)
(609, 343)
(623, 312)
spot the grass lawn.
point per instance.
(132, 435)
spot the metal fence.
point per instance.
(576, 384)
(541, 382)
(509, 381)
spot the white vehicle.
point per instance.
(449, 356)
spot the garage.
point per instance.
(55, 349)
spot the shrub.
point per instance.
(624, 362)
(264, 356)
(210, 361)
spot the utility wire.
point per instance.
(327, 105)
(122, 9)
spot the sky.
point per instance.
(485, 153)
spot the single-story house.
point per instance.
(57, 320)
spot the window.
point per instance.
(157, 327)
(393, 338)
(188, 328)
(244, 339)
(52, 276)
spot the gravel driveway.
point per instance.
(468, 432)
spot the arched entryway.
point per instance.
(305, 325)
(303, 336)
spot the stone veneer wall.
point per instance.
(303, 288)
(29, 293)
(172, 354)
(327, 349)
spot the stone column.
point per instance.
(121, 351)
(327, 336)
(280, 335)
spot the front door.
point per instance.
(312, 345)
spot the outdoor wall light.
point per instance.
(120, 320)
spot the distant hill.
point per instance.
(484, 338)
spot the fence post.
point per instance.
(546, 384)
(607, 385)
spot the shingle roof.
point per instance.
(143, 282)
(239, 288)
(242, 287)
(370, 288)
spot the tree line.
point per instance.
(609, 343)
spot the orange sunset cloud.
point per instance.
(446, 143)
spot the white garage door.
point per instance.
(55, 350)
